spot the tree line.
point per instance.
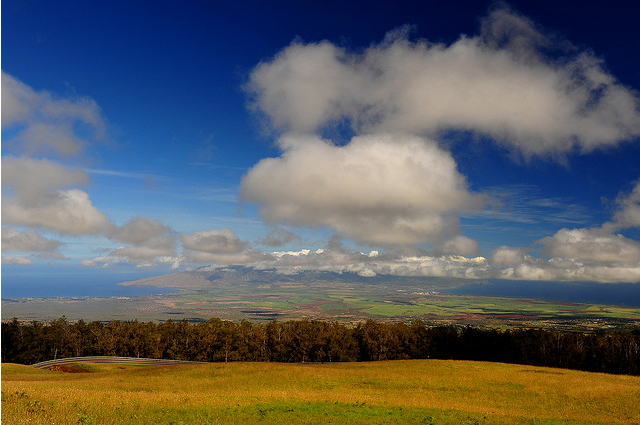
(317, 341)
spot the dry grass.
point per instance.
(407, 392)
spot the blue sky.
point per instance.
(467, 139)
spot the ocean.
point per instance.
(75, 284)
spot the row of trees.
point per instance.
(317, 341)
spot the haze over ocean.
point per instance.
(83, 283)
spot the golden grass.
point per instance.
(395, 392)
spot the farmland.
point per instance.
(408, 392)
(237, 295)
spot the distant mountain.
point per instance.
(208, 277)
(190, 279)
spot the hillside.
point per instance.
(406, 392)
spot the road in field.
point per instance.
(131, 361)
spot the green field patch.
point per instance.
(394, 309)
(623, 312)
(332, 306)
(342, 413)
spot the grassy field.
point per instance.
(398, 392)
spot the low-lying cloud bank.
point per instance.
(505, 263)
(596, 254)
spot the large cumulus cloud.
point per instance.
(392, 183)
(385, 189)
(500, 83)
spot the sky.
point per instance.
(472, 139)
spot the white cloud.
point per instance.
(498, 83)
(31, 178)
(332, 260)
(34, 195)
(147, 239)
(460, 245)
(628, 214)
(44, 194)
(102, 261)
(372, 264)
(42, 138)
(38, 192)
(387, 189)
(279, 237)
(223, 258)
(16, 100)
(213, 241)
(572, 255)
(517, 84)
(508, 255)
(114, 258)
(47, 125)
(221, 248)
(217, 247)
(148, 243)
(337, 258)
(29, 240)
(17, 260)
(570, 271)
(590, 245)
(68, 212)
(304, 86)
(583, 254)
(506, 263)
